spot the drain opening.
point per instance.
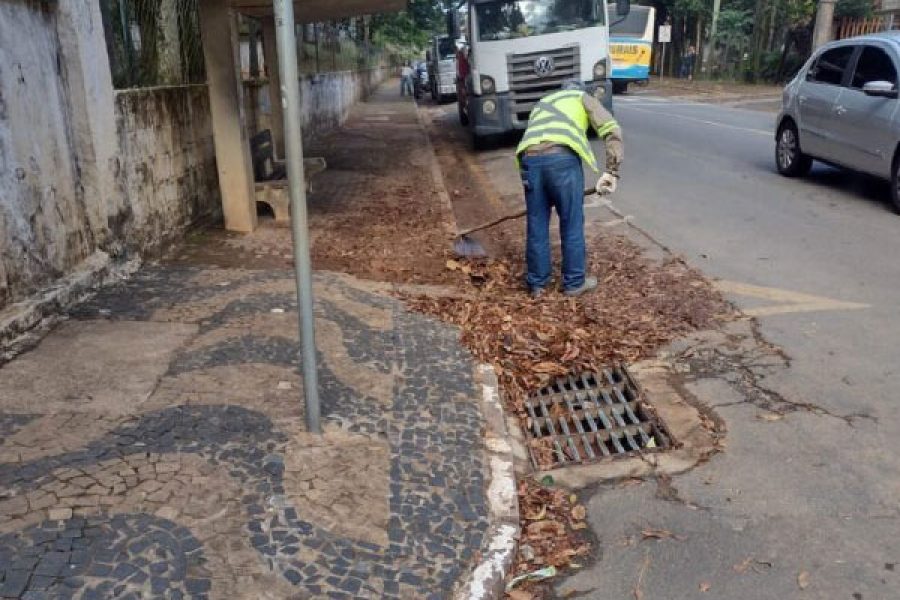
(584, 419)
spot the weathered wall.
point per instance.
(83, 168)
(44, 225)
(325, 99)
(167, 163)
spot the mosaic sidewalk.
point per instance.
(153, 446)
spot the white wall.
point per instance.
(84, 168)
(44, 225)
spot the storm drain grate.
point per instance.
(584, 419)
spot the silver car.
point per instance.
(842, 109)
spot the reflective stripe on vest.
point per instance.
(560, 118)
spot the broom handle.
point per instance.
(510, 217)
(490, 224)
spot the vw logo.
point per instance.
(543, 66)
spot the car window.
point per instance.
(874, 64)
(830, 66)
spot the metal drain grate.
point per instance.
(584, 419)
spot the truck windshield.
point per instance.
(507, 19)
(446, 48)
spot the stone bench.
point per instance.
(270, 176)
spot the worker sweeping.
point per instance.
(550, 156)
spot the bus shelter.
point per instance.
(218, 25)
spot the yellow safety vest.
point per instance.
(560, 118)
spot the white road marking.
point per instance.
(702, 121)
(790, 302)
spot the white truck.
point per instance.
(441, 59)
(521, 50)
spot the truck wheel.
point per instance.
(463, 116)
(434, 94)
(479, 142)
(620, 87)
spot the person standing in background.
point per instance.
(687, 63)
(406, 80)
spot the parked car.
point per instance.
(842, 109)
(421, 79)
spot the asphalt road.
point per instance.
(811, 500)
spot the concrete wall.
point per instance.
(325, 99)
(84, 169)
(168, 163)
(44, 224)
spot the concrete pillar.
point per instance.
(85, 68)
(270, 58)
(218, 28)
(824, 23)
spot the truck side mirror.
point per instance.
(623, 7)
(452, 24)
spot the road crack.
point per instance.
(743, 360)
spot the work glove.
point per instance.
(607, 184)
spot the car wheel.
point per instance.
(895, 184)
(790, 160)
(463, 117)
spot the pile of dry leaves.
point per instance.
(551, 520)
(639, 306)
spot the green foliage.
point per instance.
(853, 8)
(411, 28)
(735, 27)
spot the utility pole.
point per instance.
(824, 23)
(285, 35)
(711, 42)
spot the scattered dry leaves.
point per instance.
(803, 580)
(750, 563)
(770, 417)
(705, 586)
(658, 534)
(549, 534)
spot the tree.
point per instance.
(735, 27)
(412, 27)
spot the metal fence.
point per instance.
(153, 42)
(846, 28)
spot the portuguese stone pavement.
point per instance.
(153, 446)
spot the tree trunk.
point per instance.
(710, 41)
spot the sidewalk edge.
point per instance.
(486, 581)
(22, 323)
(437, 175)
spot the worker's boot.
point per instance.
(590, 283)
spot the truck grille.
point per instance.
(526, 87)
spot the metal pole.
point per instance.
(290, 98)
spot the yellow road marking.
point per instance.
(789, 302)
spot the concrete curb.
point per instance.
(486, 581)
(487, 578)
(20, 322)
(437, 175)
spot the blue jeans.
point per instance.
(406, 85)
(554, 181)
